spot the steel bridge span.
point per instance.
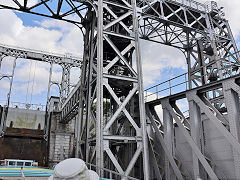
(117, 127)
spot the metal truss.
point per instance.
(108, 101)
(191, 128)
(67, 62)
(57, 9)
(108, 77)
(199, 31)
(4, 112)
(42, 56)
(69, 108)
(112, 135)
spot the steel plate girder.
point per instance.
(40, 56)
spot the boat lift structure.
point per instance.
(117, 125)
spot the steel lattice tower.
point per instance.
(112, 128)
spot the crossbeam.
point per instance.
(42, 56)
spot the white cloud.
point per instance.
(71, 39)
(50, 35)
(30, 3)
(62, 37)
(156, 57)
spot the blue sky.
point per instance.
(30, 83)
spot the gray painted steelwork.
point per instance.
(67, 62)
(112, 129)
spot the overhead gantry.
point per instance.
(109, 99)
(66, 62)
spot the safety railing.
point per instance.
(166, 88)
(181, 83)
(20, 105)
(67, 55)
(109, 174)
(193, 4)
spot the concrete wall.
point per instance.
(25, 139)
(61, 137)
(23, 118)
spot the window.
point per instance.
(28, 163)
(19, 163)
(12, 163)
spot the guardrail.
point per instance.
(193, 4)
(67, 55)
(181, 83)
(168, 87)
(20, 105)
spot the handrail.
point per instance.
(193, 4)
(67, 55)
(227, 70)
(189, 3)
(20, 105)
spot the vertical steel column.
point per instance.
(65, 83)
(195, 123)
(11, 81)
(47, 115)
(49, 83)
(188, 58)
(89, 98)
(99, 108)
(86, 87)
(232, 103)
(169, 139)
(5, 110)
(213, 41)
(141, 94)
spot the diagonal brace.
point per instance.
(190, 141)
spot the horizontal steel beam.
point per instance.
(205, 88)
(40, 55)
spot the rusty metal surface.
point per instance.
(20, 132)
(24, 144)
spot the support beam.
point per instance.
(232, 103)
(195, 123)
(164, 146)
(169, 140)
(231, 139)
(191, 142)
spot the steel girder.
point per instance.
(198, 30)
(42, 56)
(4, 113)
(112, 129)
(109, 124)
(66, 62)
(57, 9)
(196, 136)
